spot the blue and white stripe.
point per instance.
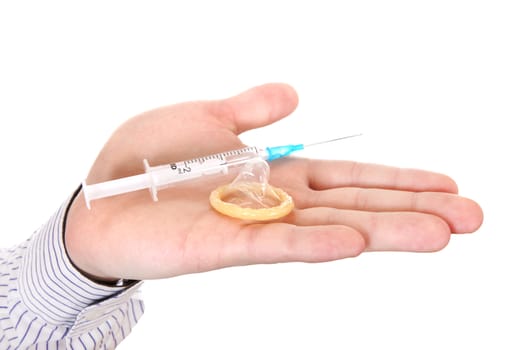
(45, 303)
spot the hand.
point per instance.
(340, 212)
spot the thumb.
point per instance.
(257, 107)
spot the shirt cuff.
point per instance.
(49, 285)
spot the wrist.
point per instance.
(108, 282)
(75, 252)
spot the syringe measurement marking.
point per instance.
(187, 164)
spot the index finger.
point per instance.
(323, 174)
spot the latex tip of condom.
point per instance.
(250, 197)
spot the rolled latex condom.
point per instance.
(251, 197)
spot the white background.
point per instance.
(438, 85)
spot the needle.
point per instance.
(332, 140)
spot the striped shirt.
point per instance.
(45, 303)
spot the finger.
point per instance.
(257, 107)
(332, 174)
(461, 214)
(281, 242)
(395, 231)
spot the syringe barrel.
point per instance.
(165, 175)
(161, 176)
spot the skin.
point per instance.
(343, 208)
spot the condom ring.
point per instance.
(283, 208)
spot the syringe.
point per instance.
(162, 176)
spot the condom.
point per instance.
(251, 197)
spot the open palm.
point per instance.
(340, 212)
